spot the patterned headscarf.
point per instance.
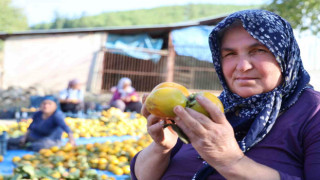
(253, 117)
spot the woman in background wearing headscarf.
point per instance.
(125, 96)
(271, 125)
(71, 98)
(45, 130)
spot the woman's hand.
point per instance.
(71, 139)
(153, 161)
(165, 138)
(212, 138)
(127, 99)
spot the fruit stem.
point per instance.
(191, 100)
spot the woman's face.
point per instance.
(249, 68)
(76, 86)
(48, 107)
(126, 85)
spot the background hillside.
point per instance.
(161, 15)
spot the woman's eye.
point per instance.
(258, 51)
(261, 50)
(228, 54)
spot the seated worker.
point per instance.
(45, 130)
(125, 96)
(71, 98)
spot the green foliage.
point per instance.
(25, 171)
(302, 14)
(161, 15)
(11, 18)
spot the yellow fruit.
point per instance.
(102, 161)
(68, 147)
(134, 98)
(72, 170)
(23, 129)
(164, 97)
(117, 171)
(32, 109)
(1, 158)
(16, 159)
(64, 135)
(123, 159)
(89, 146)
(43, 151)
(193, 104)
(103, 154)
(132, 153)
(183, 89)
(59, 164)
(114, 161)
(28, 157)
(48, 153)
(76, 135)
(126, 169)
(104, 177)
(54, 149)
(56, 175)
(60, 153)
(161, 102)
(94, 161)
(102, 166)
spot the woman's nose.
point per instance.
(244, 64)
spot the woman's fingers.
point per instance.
(144, 111)
(201, 118)
(187, 123)
(216, 115)
(152, 119)
(144, 97)
(154, 127)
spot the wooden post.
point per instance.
(170, 60)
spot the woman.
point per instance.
(125, 96)
(45, 130)
(271, 125)
(71, 99)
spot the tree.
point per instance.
(166, 14)
(302, 14)
(11, 18)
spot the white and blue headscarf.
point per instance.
(125, 92)
(253, 117)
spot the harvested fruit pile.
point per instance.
(80, 162)
(69, 162)
(113, 122)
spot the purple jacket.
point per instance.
(117, 95)
(292, 147)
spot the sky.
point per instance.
(38, 11)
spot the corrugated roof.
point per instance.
(155, 30)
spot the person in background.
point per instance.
(45, 130)
(71, 99)
(270, 128)
(125, 96)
